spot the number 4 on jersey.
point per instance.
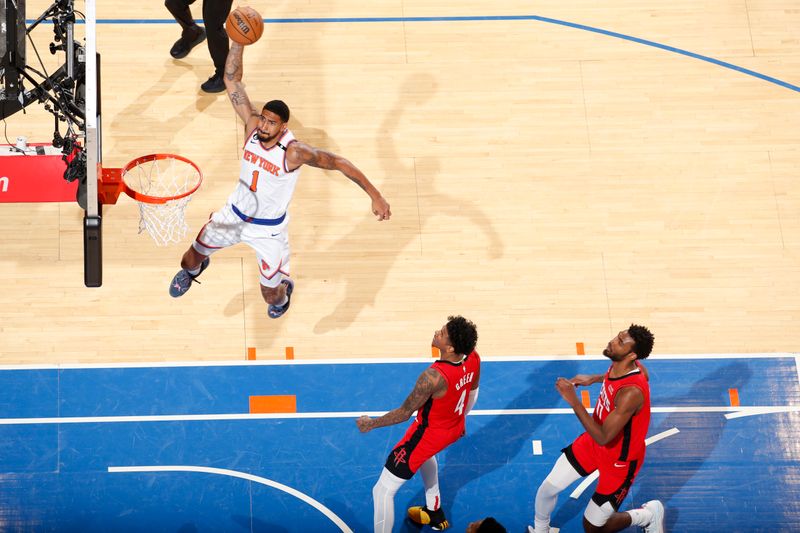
(460, 405)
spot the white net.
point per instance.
(155, 179)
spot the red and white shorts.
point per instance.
(616, 477)
(271, 243)
(417, 446)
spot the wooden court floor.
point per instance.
(550, 182)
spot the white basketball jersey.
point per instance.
(265, 185)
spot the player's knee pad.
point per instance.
(598, 515)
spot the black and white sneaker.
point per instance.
(182, 281)
(425, 517)
(277, 311)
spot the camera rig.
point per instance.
(63, 92)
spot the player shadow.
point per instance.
(695, 443)
(146, 112)
(672, 462)
(496, 444)
(360, 246)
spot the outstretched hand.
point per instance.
(380, 208)
(567, 391)
(364, 423)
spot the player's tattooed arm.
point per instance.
(233, 84)
(300, 153)
(428, 384)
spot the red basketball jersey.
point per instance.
(449, 411)
(629, 443)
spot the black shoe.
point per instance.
(423, 516)
(183, 281)
(214, 84)
(188, 40)
(274, 311)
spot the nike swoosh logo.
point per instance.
(275, 234)
(623, 465)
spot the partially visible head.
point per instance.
(458, 336)
(278, 107)
(272, 123)
(643, 341)
(636, 342)
(487, 525)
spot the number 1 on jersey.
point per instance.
(254, 183)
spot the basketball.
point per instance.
(244, 25)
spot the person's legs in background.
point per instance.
(191, 33)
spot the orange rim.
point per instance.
(139, 197)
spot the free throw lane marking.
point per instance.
(537, 447)
(734, 396)
(273, 404)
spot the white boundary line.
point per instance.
(588, 480)
(386, 360)
(753, 411)
(733, 412)
(233, 473)
(797, 364)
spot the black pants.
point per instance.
(214, 14)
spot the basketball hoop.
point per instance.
(162, 185)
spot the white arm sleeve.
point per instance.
(473, 397)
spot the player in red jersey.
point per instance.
(613, 442)
(443, 395)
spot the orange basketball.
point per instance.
(244, 25)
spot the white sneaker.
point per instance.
(656, 525)
(548, 530)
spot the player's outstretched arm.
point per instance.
(428, 383)
(583, 380)
(300, 153)
(235, 87)
(627, 403)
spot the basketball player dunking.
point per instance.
(442, 397)
(256, 211)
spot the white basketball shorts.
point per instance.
(271, 243)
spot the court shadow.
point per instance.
(360, 244)
(314, 136)
(676, 460)
(496, 444)
(147, 112)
